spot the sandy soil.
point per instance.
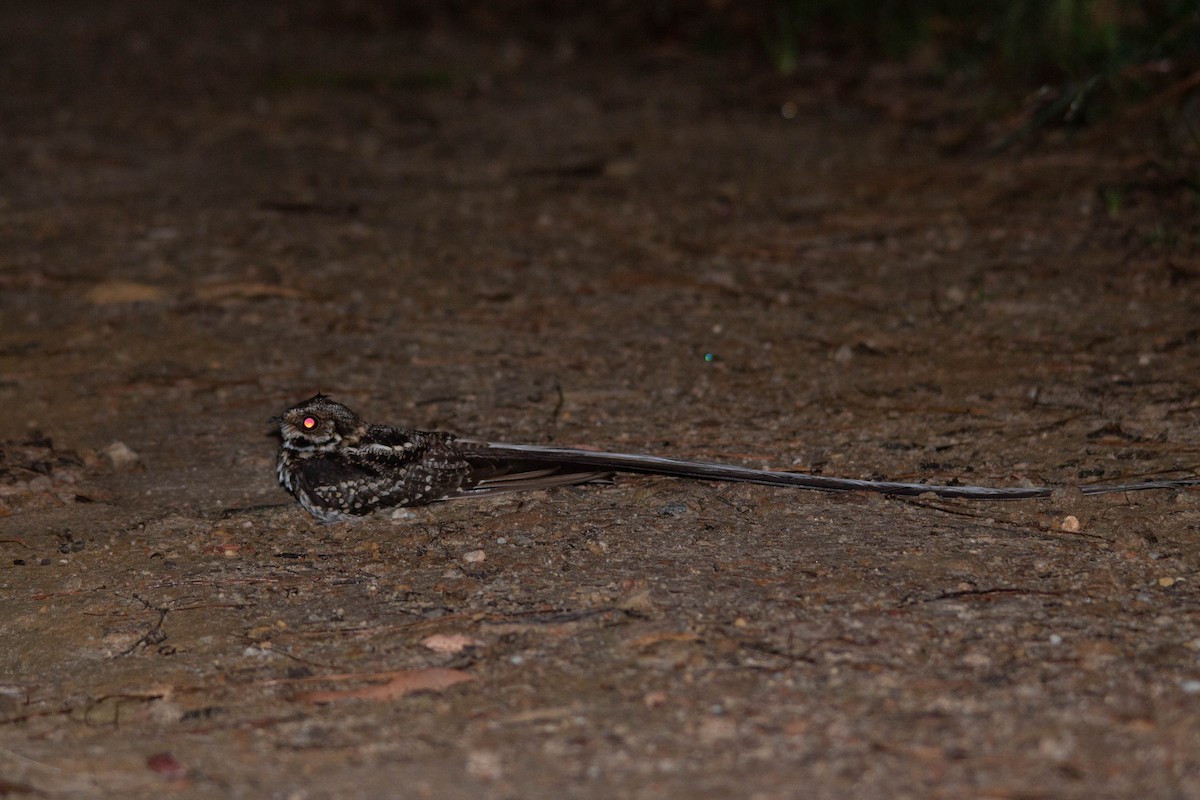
(205, 217)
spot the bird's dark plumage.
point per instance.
(339, 466)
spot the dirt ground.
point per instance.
(527, 235)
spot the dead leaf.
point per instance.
(243, 290)
(450, 642)
(167, 765)
(114, 292)
(8, 787)
(435, 679)
(651, 639)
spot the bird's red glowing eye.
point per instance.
(309, 423)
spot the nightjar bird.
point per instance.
(340, 467)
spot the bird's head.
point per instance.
(318, 423)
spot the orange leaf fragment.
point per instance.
(434, 679)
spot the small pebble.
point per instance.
(121, 456)
(1070, 524)
(485, 765)
(474, 556)
(654, 699)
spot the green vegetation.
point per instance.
(1021, 41)
(1055, 61)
